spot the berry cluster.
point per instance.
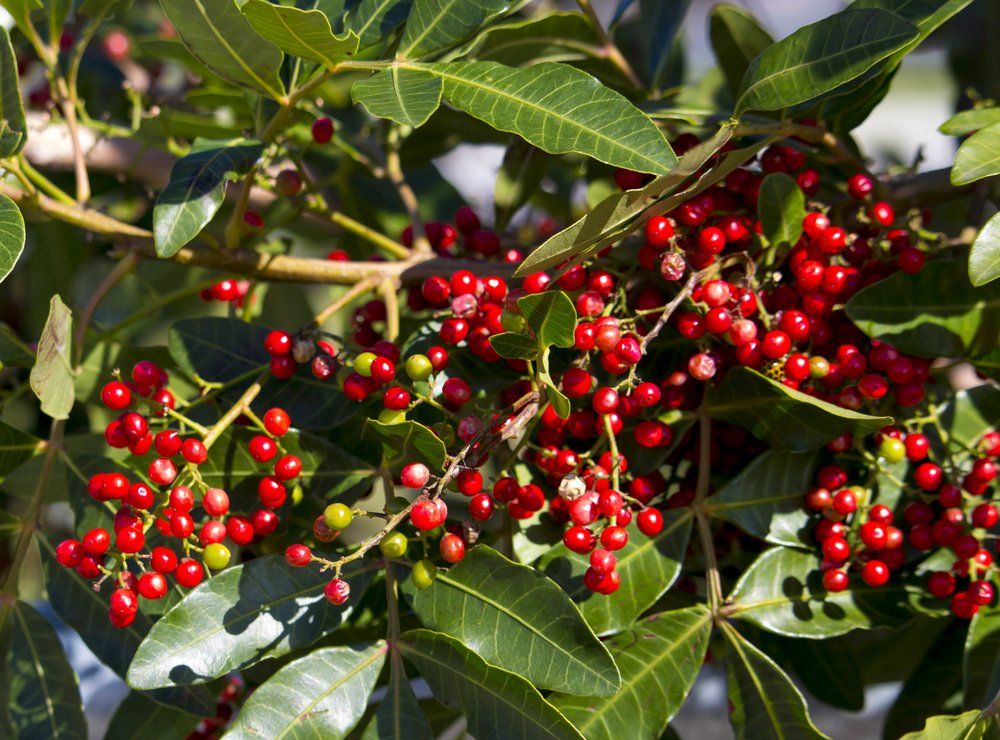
(169, 515)
(939, 511)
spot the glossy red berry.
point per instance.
(322, 130)
(152, 585)
(189, 573)
(337, 591)
(298, 555)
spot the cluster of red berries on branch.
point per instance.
(170, 522)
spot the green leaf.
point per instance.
(662, 23)
(372, 20)
(16, 447)
(737, 39)
(11, 236)
(436, 25)
(781, 207)
(222, 39)
(984, 258)
(517, 619)
(231, 352)
(52, 376)
(43, 695)
(20, 11)
(764, 702)
(978, 157)
(497, 705)
(239, 617)
(520, 174)
(406, 96)
(328, 472)
(817, 58)
(556, 37)
(399, 716)
(765, 499)
(981, 667)
(825, 669)
(196, 190)
(970, 413)
(782, 592)
(648, 567)
(138, 716)
(13, 351)
(935, 313)
(970, 121)
(302, 33)
(551, 315)
(585, 118)
(514, 346)
(620, 213)
(659, 659)
(323, 695)
(784, 418)
(86, 611)
(967, 726)
(560, 403)
(14, 129)
(406, 442)
(930, 686)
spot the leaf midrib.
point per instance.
(647, 668)
(658, 166)
(524, 623)
(266, 87)
(39, 670)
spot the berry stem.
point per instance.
(243, 403)
(358, 289)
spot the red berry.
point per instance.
(124, 601)
(337, 591)
(649, 521)
(69, 553)
(116, 396)
(152, 586)
(262, 449)
(277, 421)
(287, 468)
(298, 555)
(322, 130)
(163, 560)
(415, 475)
(452, 548)
(194, 451)
(834, 580)
(278, 343)
(189, 573)
(215, 502)
(96, 541)
(875, 573)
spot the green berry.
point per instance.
(419, 367)
(337, 516)
(892, 449)
(216, 556)
(363, 363)
(424, 573)
(818, 367)
(393, 545)
(392, 416)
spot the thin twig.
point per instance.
(390, 297)
(394, 171)
(359, 288)
(235, 410)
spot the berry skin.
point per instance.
(605, 400)
(425, 515)
(163, 560)
(423, 574)
(152, 586)
(337, 591)
(69, 553)
(96, 542)
(845, 502)
(194, 451)
(216, 556)
(189, 573)
(984, 516)
(337, 516)
(215, 502)
(875, 573)
(167, 443)
(277, 422)
(452, 548)
(415, 475)
(298, 556)
(481, 507)
(836, 549)
(124, 601)
(418, 367)
(262, 449)
(130, 540)
(116, 395)
(873, 535)
(834, 580)
(394, 545)
(928, 476)
(649, 521)
(278, 343)
(322, 130)
(287, 468)
(893, 450)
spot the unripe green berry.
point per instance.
(363, 363)
(818, 367)
(337, 516)
(419, 367)
(216, 556)
(393, 545)
(424, 573)
(892, 449)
